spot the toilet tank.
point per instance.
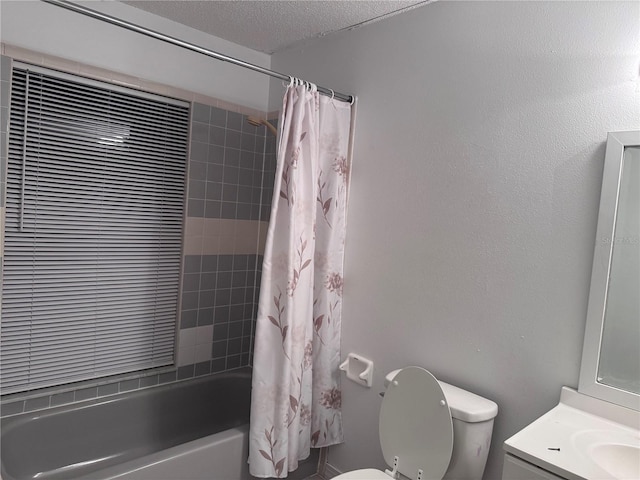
(472, 428)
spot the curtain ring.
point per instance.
(333, 94)
(290, 82)
(353, 99)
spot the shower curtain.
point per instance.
(296, 395)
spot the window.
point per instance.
(93, 235)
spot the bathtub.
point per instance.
(196, 429)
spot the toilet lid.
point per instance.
(416, 425)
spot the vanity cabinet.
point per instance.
(516, 469)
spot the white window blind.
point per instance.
(93, 235)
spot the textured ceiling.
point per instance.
(272, 25)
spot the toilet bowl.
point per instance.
(430, 430)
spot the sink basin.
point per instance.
(620, 461)
(617, 452)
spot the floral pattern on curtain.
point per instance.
(296, 395)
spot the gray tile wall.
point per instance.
(228, 166)
(222, 290)
(231, 174)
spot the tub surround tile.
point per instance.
(218, 365)
(197, 171)
(222, 236)
(187, 337)
(246, 343)
(203, 352)
(219, 349)
(128, 385)
(194, 244)
(232, 139)
(234, 121)
(12, 408)
(186, 354)
(203, 368)
(220, 331)
(234, 346)
(195, 208)
(62, 398)
(190, 300)
(205, 303)
(217, 137)
(205, 316)
(245, 359)
(192, 264)
(167, 377)
(218, 117)
(201, 112)
(200, 132)
(216, 153)
(193, 227)
(212, 209)
(214, 183)
(199, 152)
(149, 381)
(236, 324)
(37, 403)
(188, 319)
(233, 361)
(197, 189)
(186, 372)
(249, 142)
(190, 282)
(86, 393)
(204, 334)
(108, 389)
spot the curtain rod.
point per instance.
(180, 43)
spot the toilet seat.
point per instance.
(415, 428)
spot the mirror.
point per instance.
(610, 367)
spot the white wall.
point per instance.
(56, 31)
(475, 190)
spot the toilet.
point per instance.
(430, 430)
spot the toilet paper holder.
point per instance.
(359, 369)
